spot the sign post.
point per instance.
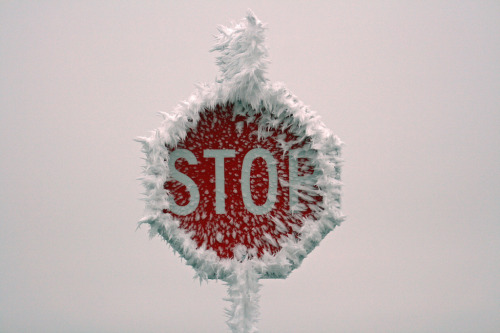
(243, 179)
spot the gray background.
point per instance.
(411, 87)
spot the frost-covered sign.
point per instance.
(243, 179)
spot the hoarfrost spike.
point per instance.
(243, 60)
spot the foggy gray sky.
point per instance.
(411, 88)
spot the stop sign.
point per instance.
(231, 182)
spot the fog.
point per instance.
(412, 89)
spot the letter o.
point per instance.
(245, 181)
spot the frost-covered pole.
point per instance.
(243, 293)
(243, 62)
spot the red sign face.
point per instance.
(233, 185)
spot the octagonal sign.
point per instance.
(242, 171)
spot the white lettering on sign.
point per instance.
(194, 199)
(296, 182)
(220, 195)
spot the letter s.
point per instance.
(194, 199)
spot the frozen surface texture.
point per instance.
(213, 226)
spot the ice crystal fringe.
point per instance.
(243, 60)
